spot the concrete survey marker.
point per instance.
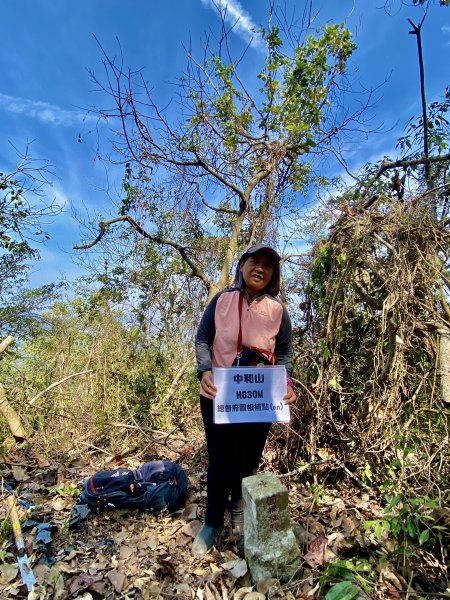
(270, 546)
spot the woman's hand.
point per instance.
(207, 383)
(290, 397)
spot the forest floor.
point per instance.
(132, 555)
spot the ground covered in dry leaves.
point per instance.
(132, 555)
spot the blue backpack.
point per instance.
(155, 486)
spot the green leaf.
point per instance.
(424, 537)
(378, 530)
(392, 502)
(334, 384)
(344, 590)
(411, 528)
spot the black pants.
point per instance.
(234, 452)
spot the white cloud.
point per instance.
(43, 111)
(236, 16)
(55, 264)
(59, 196)
(446, 30)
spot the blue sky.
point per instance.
(48, 47)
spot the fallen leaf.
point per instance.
(237, 568)
(65, 567)
(191, 528)
(199, 595)
(125, 552)
(208, 594)
(190, 512)
(165, 567)
(8, 572)
(40, 572)
(388, 575)
(20, 474)
(200, 571)
(241, 592)
(316, 554)
(183, 540)
(58, 504)
(350, 525)
(151, 543)
(98, 587)
(301, 534)
(338, 542)
(83, 581)
(389, 591)
(41, 460)
(117, 579)
(268, 586)
(183, 588)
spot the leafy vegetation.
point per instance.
(22, 210)
(109, 368)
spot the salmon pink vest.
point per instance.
(260, 323)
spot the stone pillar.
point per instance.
(270, 546)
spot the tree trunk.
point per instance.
(444, 362)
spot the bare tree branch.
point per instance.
(196, 270)
(53, 385)
(405, 163)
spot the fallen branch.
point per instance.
(355, 479)
(304, 468)
(174, 386)
(53, 385)
(6, 342)
(12, 418)
(88, 445)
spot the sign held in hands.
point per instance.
(250, 395)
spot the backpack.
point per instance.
(155, 486)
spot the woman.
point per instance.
(234, 450)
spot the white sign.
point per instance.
(250, 395)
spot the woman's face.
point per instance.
(257, 272)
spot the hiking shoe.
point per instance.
(205, 539)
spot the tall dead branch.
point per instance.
(9, 413)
